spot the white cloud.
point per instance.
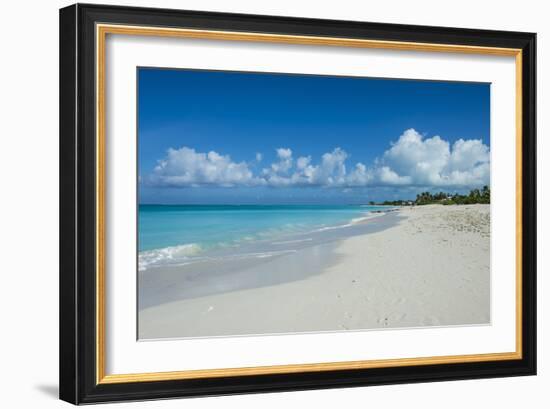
(303, 162)
(433, 162)
(412, 160)
(284, 153)
(285, 162)
(186, 167)
(332, 170)
(360, 176)
(387, 176)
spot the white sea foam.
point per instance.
(270, 254)
(292, 241)
(193, 253)
(187, 254)
(366, 217)
(352, 222)
(167, 255)
(262, 254)
(340, 226)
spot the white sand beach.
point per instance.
(429, 267)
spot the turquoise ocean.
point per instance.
(183, 234)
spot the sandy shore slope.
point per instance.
(431, 268)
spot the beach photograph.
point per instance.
(273, 203)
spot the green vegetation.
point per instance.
(424, 198)
(397, 203)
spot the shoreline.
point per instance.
(230, 231)
(255, 265)
(422, 266)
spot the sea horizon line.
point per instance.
(263, 204)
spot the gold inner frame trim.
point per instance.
(101, 32)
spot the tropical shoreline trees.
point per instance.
(475, 196)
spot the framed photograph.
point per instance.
(257, 203)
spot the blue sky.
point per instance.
(233, 137)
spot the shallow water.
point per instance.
(253, 264)
(181, 234)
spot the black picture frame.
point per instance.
(78, 359)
